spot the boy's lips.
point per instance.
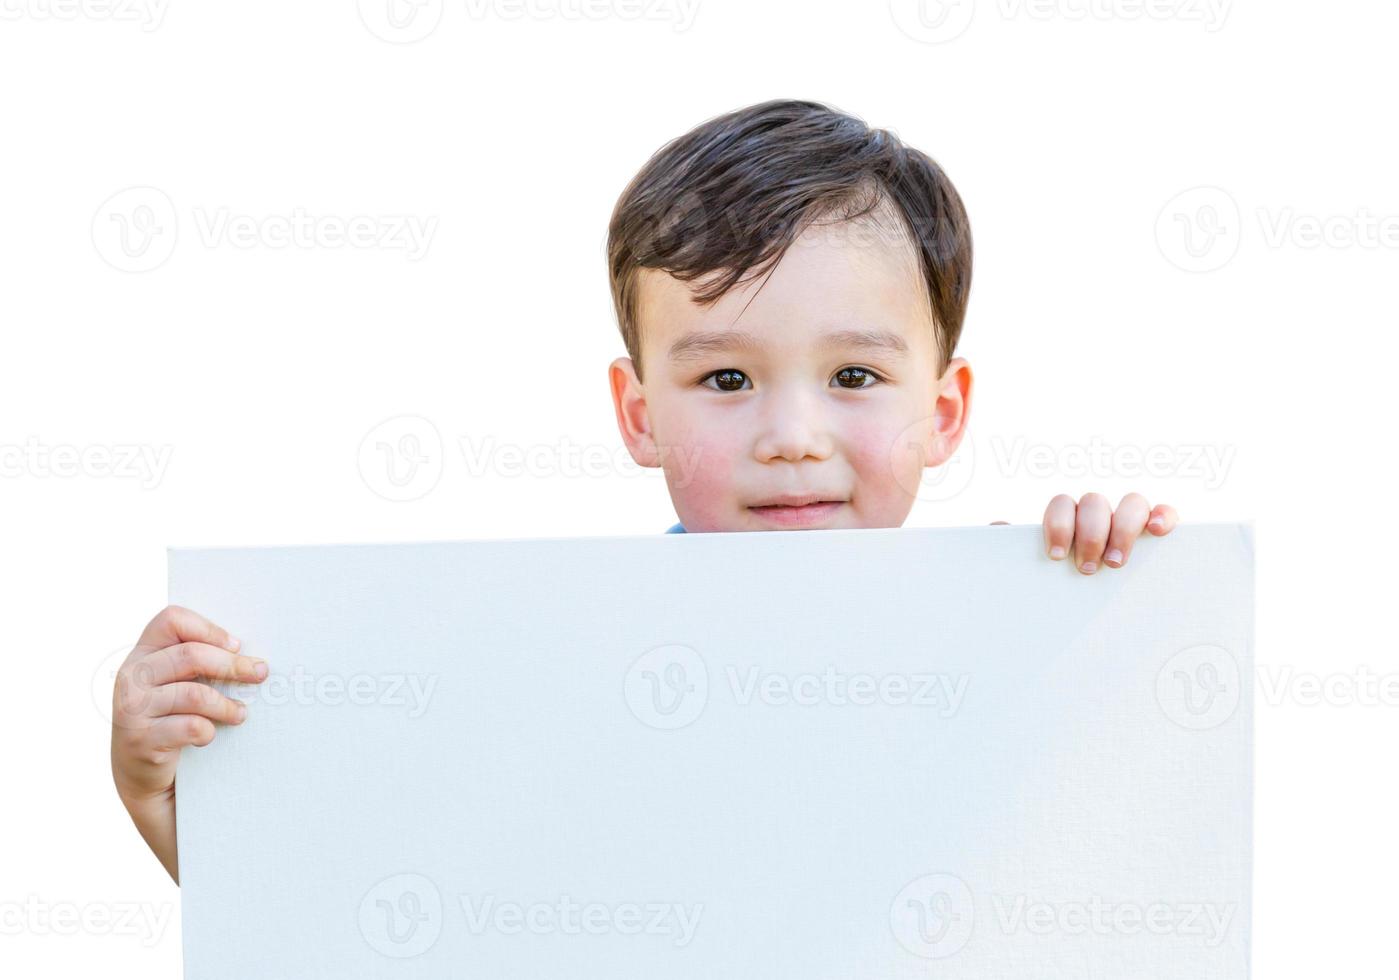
(796, 510)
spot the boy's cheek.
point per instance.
(885, 455)
(699, 474)
(889, 466)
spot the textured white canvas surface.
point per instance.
(886, 753)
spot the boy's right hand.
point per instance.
(160, 704)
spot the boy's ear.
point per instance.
(953, 405)
(633, 419)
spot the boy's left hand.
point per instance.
(1096, 534)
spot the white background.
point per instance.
(254, 373)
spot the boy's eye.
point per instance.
(856, 377)
(726, 379)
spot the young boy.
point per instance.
(790, 286)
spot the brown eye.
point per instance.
(726, 380)
(854, 377)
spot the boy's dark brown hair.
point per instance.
(732, 195)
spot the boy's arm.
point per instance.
(160, 704)
(1096, 534)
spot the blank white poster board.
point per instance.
(796, 755)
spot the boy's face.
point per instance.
(763, 400)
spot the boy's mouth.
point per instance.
(797, 510)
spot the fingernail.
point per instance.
(1113, 557)
(1088, 567)
(1156, 522)
(242, 711)
(260, 670)
(1057, 552)
(234, 643)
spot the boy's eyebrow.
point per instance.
(696, 345)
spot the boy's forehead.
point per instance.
(851, 274)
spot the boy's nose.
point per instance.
(792, 428)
